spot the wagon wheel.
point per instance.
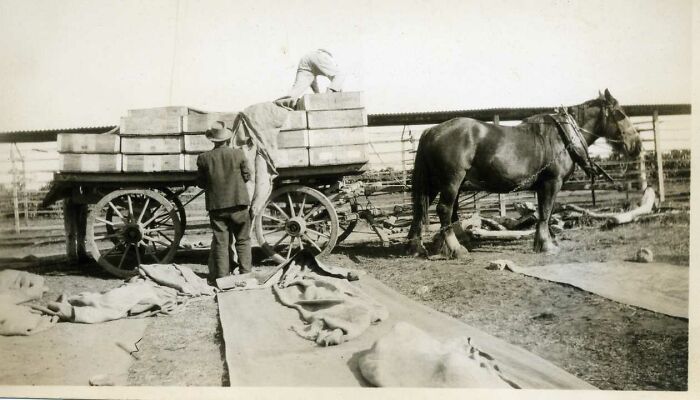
(145, 228)
(296, 217)
(172, 197)
(175, 199)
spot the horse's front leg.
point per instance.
(546, 196)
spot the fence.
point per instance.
(31, 161)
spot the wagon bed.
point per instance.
(124, 219)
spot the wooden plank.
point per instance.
(336, 118)
(338, 136)
(153, 162)
(151, 145)
(87, 143)
(73, 162)
(195, 123)
(293, 139)
(159, 112)
(333, 155)
(150, 125)
(330, 101)
(295, 120)
(196, 143)
(285, 158)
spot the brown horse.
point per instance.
(466, 153)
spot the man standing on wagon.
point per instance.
(313, 64)
(222, 173)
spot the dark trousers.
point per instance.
(229, 224)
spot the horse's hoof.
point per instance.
(416, 249)
(547, 248)
(459, 253)
(462, 254)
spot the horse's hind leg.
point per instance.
(546, 196)
(446, 211)
(415, 233)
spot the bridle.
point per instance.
(606, 110)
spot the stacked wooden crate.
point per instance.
(89, 152)
(194, 141)
(327, 129)
(151, 139)
(336, 133)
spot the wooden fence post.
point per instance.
(501, 197)
(659, 156)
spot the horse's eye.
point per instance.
(618, 115)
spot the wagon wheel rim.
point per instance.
(296, 217)
(145, 229)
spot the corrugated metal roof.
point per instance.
(48, 135)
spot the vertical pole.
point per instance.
(659, 156)
(23, 187)
(403, 167)
(15, 199)
(501, 197)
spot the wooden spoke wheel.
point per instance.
(121, 202)
(296, 217)
(127, 228)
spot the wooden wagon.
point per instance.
(123, 216)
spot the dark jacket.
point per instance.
(222, 173)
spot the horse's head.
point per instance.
(615, 126)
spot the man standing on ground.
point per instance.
(222, 173)
(317, 63)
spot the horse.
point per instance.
(465, 153)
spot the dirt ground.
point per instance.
(610, 345)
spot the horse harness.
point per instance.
(576, 145)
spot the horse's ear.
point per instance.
(608, 96)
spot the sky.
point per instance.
(85, 63)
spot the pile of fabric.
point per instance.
(157, 289)
(333, 309)
(409, 357)
(17, 287)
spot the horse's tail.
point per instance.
(420, 192)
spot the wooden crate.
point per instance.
(151, 145)
(337, 136)
(330, 101)
(172, 111)
(190, 162)
(87, 143)
(338, 155)
(73, 162)
(197, 123)
(153, 162)
(336, 119)
(197, 143)
(151, 125)
(293, 139)
(286, 158)
(295, 120)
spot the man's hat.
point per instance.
(218, 132)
